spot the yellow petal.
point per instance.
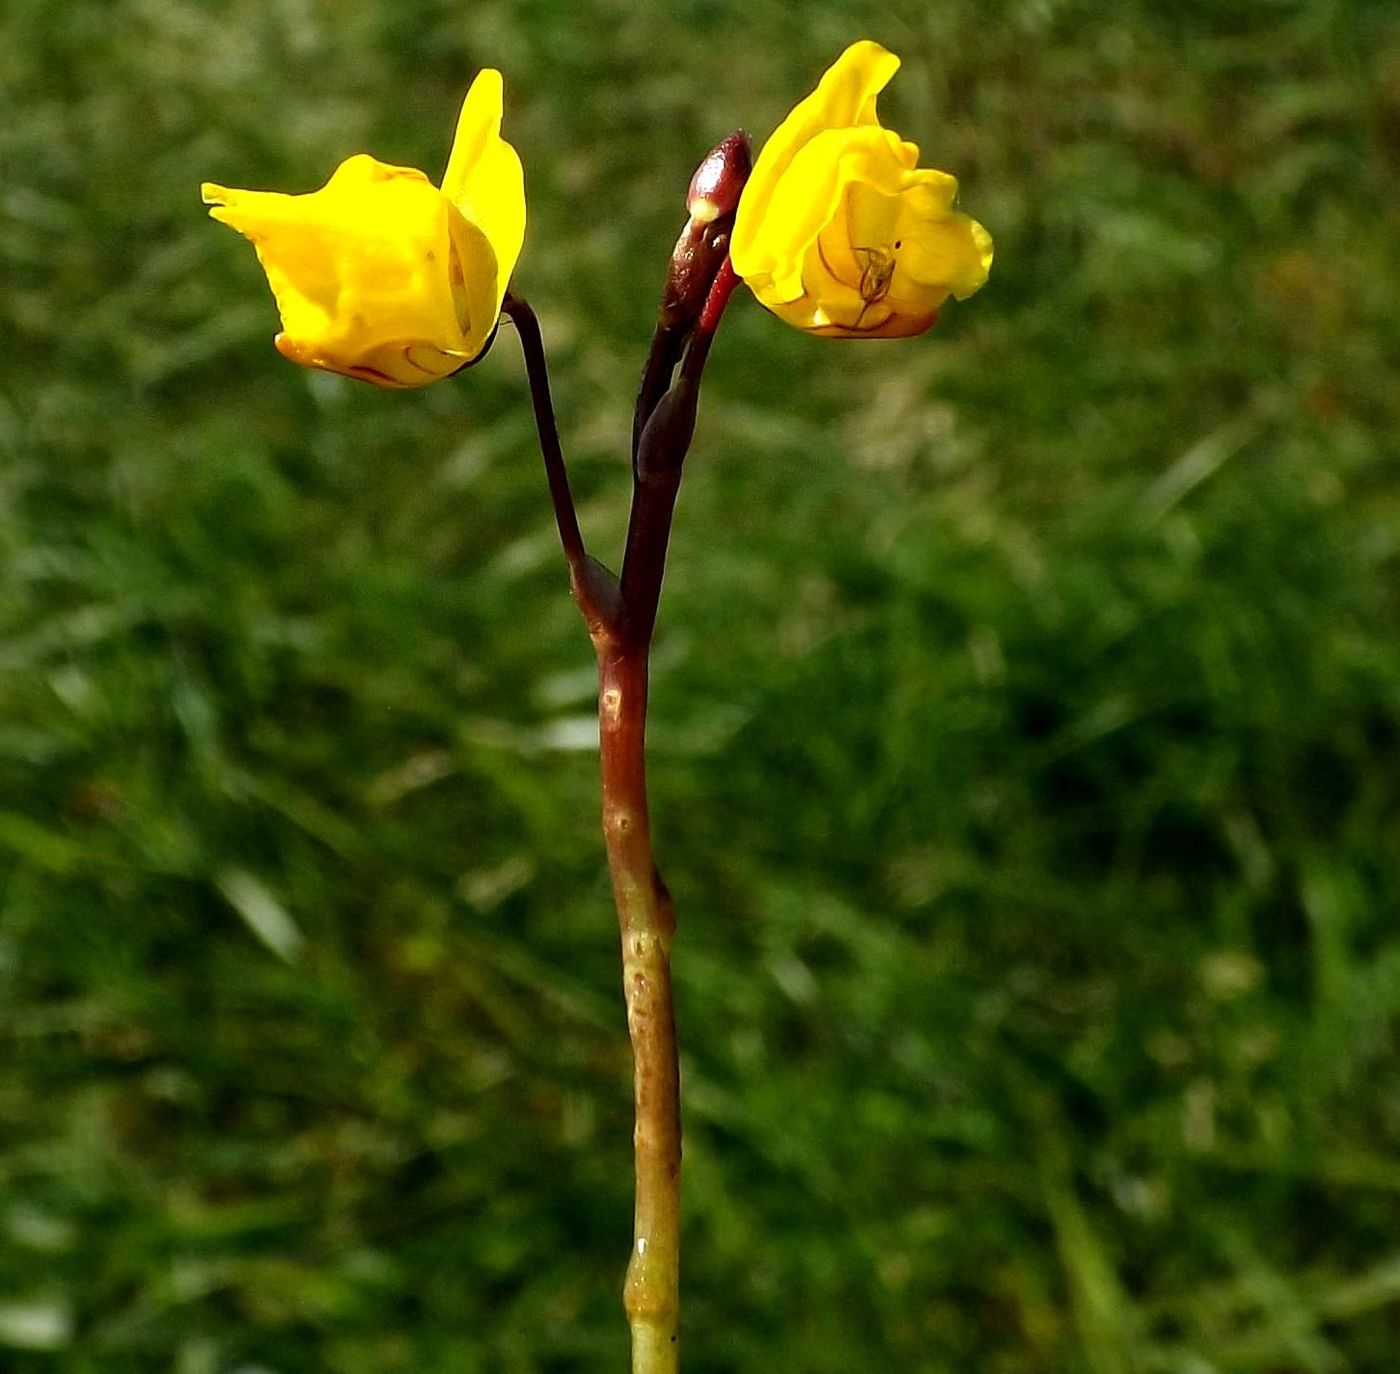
(812, 193)
(377, 275)
(484, 177)
(845, 97)
(840, 231)
(953, 251)
(382, 275)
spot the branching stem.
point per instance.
(621, 616)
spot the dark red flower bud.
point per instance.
(718, 180)
(712, 199)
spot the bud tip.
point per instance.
(720, 177)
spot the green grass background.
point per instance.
(1026, 722)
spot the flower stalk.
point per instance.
(621, 618)
(646, 916)
(527, 326)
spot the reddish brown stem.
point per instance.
(620, 617)
(645, 912)
(647, 922)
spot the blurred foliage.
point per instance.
(1026, 716)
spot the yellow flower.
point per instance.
(839, 230)
(380, 274)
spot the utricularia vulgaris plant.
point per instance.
(382, 276)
